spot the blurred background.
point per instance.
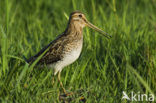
(106, 67)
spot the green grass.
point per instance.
(126, 62)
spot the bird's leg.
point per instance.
(59, 75)
(59, 78)
(53, 80)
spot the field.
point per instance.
(106, 67)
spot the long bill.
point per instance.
(98, 30)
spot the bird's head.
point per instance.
(79, 20)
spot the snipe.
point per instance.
(66, 48)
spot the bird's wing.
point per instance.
(52, 55)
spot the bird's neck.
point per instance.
(74, 28)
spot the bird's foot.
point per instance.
(71, 96)
(66, 94)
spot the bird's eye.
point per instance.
(80, 16)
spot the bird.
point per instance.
(67, 47)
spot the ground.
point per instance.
(106, 67)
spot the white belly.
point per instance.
(67, 59)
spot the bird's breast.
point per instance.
(70, 53)
(73, 52)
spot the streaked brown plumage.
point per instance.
(62, 44)
(66, 48)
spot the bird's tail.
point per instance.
(25, 59)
